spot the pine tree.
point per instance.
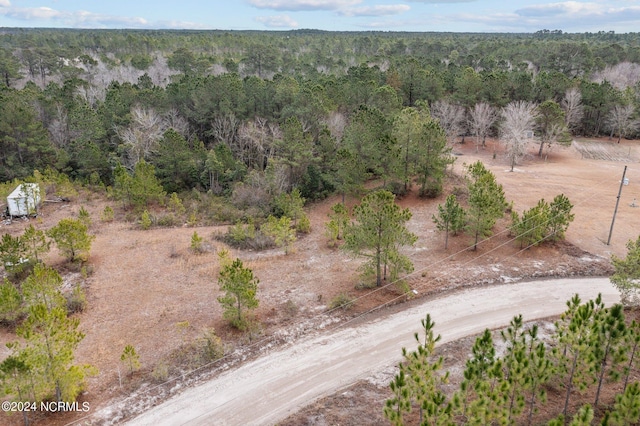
(43, 287)
(35, 242)
(516, 363)
(71, 237)
(17, 379)
(13, 252)
(541, 370)
(486, 202)
(610, 330)
(530, 230)
(50, 341)
(470, 398)
(338, 221)
(626, 277)
(138, 189)
(10, 302)
(290, 205)
(451, 218)
(433, 157)
(575, 334)
(626, 410)
(395, 407)
(632, 344)
(84, 216)
(240, 287)
(130, 358)
(379, 232)
(560, 217)
(418, 382)
(281, 232)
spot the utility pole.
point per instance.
(617, 202)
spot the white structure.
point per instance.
(24, 200)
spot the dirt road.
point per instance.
(268, 389)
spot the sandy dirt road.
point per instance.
(268, 389)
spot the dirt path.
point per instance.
(271, 387)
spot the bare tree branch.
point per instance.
(620, 121)
(572, 106)
(481, 118)
(518, 121)
(451, 118)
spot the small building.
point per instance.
(24, 200)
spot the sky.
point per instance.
(620, 16)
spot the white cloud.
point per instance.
(563, 8)
(576, 15)
(85, 19)
(277, 21)
(380, 10)
(300, 5)
(570, 16)
(76, 19)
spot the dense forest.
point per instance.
(253, 114)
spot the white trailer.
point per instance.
(24, 200)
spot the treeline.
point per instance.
(251, 114)
(302, 50)
(592, 345)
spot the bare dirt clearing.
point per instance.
(147, 282)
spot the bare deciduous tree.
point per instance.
(224, 129)
(572, 106)
(451, 118)
(336, 123)
(141, 138)
(178, 123)
(518, 121)
(481, 118)
(59, 128)
(255, 143)
(620, 120)
(621, 76)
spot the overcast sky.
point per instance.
(620, 16)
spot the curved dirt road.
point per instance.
(268, 389)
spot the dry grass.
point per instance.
(145, 282)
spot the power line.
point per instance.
(349, 321)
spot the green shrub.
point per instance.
(76, 300)
(246, 237)
(304, 224)
(281, 232)
(84, 216)
(107, 214)
(342, 301)
(196, 243)
(211, 347)
(160, 372)
(166, 220)
(175, 204)
(145, 220)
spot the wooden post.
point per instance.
(617, 202)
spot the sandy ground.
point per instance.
(264, 391)
(148, 290)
